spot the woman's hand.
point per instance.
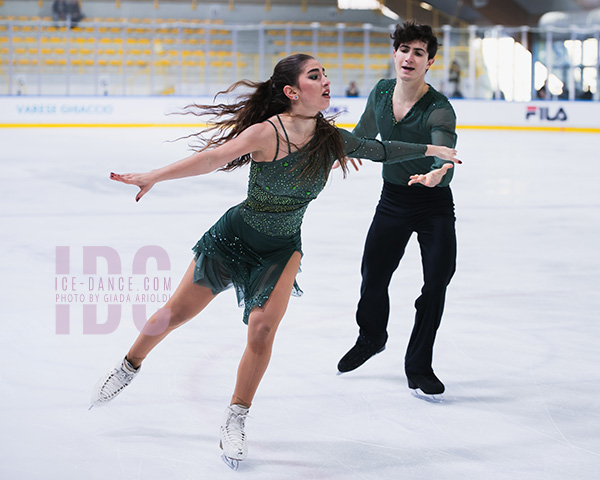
(444, 153)
(432, 178)
(141, 180)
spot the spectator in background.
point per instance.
(454, 80)
(74, 14)
(541, 93)
(352, 90)
(59, 10)
(586, 94)
(564, 95)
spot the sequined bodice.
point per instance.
(277, 198)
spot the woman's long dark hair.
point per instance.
(265, 100)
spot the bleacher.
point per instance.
(118, 55)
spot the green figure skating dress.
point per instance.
(250, 245)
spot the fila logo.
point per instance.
(543, 113)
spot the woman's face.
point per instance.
(313, 90)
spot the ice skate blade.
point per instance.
(232, 463)
(433, 398)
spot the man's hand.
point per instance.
(432, 178)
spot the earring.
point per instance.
(296, 97)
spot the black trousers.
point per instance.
(401, 211)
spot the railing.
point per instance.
(112, 57)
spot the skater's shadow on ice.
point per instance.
(355, 458)
(158, 433)
(456, 392)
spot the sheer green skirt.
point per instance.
(233, 254)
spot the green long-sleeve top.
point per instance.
(431, 121)
(278, 198)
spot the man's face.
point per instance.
(410, 60)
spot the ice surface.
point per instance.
(517, 350)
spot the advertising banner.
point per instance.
(22, 111)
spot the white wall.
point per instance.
(149, 111)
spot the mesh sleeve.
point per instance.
(381, 151)
(367, 125)
(442, 125)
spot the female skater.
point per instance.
(255, 246)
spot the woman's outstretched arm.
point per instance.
(394, 151)
(251, 140)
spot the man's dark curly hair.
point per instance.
(410, 31)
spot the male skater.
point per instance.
(407, 108)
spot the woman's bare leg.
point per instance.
(188, 300)
(262, 326)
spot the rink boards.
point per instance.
(15, 112)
